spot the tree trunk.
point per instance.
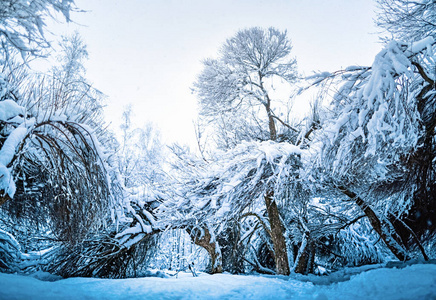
(3, 198)
(277, 235)
(421, 166)
(305, 259)
(203, 238)
(311, 262)
(381, 225)
(272, 125)
(267, 104)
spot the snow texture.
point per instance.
(7, 184)
(411, 282)
(10, 109)
(425, 43)
(236, 181)
(7, 153)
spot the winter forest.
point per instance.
(268, 198)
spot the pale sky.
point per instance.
(149, 52)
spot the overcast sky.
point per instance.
(149, 52)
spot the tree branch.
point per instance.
(284, 124)
(252, 214)
(415, 237)
(423, 74)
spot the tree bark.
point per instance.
(203, 238)
(311, 262)
(305, 259)
(267, 104)
(300, 264)
(271, 124)
(277, 235)
(382, 226)
(3, 198)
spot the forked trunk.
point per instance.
(203, 238)
(277, 235)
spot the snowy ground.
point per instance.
(411, 282)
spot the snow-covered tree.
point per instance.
(377, 145)
(235, 91)
(141, 152)
(236, 97)
(22, 24)
(124, 247)
(252, 180)
(415, 22)
(55, 176)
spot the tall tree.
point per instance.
(233, 90)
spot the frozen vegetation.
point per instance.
(340, 204)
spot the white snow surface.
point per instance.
(7, 153)
(9, 147)
(10, 109)
(412, 282)
(421, 45)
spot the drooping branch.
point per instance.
(415, 237)
(381, 225)
(261, 221)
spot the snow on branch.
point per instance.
(233, 182)
(375, 112)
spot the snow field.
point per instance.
(412, 282)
